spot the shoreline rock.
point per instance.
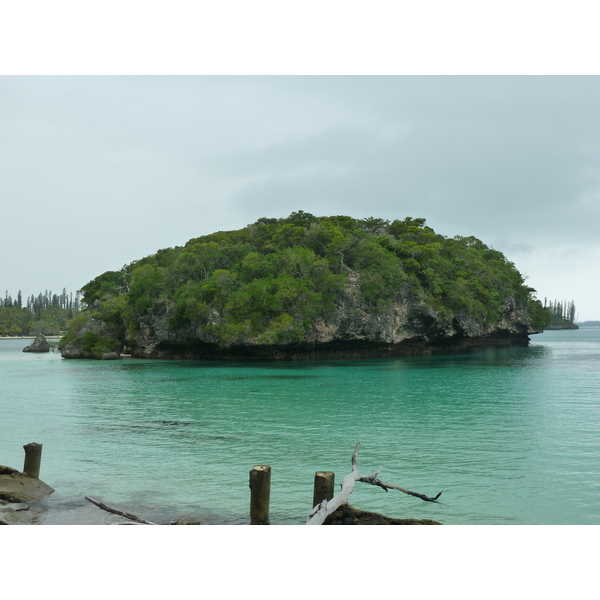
(348, 515)
(38, 345)
(19, 495)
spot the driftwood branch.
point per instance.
(325, 508)
(389, 486)
(118, 512)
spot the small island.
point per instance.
(562, 314)
(38, 345)
(307, 287)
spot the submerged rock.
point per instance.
(38, 345)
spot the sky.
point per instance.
(98, 171)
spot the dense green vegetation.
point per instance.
(562, 314)
(270, 280)
(45, 313)
(89, 341)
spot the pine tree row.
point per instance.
(45, 313)
(563, 314)
(42, 301)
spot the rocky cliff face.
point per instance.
(351, 331)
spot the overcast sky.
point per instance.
(96, 172)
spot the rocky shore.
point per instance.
(348, 515)
(21, 497)
(24, 501)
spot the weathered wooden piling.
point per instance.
(260, 494)
(33, 459)
(323, 488)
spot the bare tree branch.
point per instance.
(118, 512)
(325, 508)
(388, 486)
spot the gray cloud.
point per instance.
(98, 171)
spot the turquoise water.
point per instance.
(511, 436)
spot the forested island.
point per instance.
(46, 313)
(562, 314)
(308, 287)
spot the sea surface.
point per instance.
(511, 436)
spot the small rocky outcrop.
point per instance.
(38, 345)
(18, 493)
(17, 487)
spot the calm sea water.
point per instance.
(511, 436)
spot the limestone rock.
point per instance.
(409, 327)
(38, 345)
(16, 487)
(17, 492)
(351, 331)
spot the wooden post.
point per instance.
(323, 489)
(33, 458)
(260, 494)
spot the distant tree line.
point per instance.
(562, 314)
(46, 313)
